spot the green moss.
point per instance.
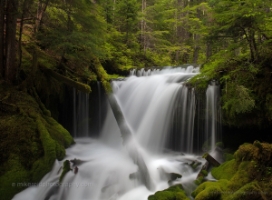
(205, 155)
(204, 172)
(57, 132)
(41, 105)
(173, 193)
(210, 190)
(13, 180)
(195, 164)
(242, 175)
(228, 156)
(260, 152)
(248, 176)
(199, 81)
(44, 164)
(199, 180)
(54, 140)
(102, 74)
(249, 191)
(65, 169)
(30, 141)
(200, 177)
(225, 170)
(245, 152)
(220, 145)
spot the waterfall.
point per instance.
(213, 116)
(165, 118)
(182, 135)
(157, 103)
(80, 114)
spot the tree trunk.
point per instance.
(253, 44)
(182, 34)
(180, 29)
(11, 68)
(211, 160)
(20, 36)
(128, 138)
(208, 50)
(121, 121)
(143, 27)
(196, 53)
(204, 167)
(2, 36)
(79, 86)
(41, 10)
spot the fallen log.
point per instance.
(128, 140)
(211, 160)
(202, 173)
(79, 86)
(125, 130)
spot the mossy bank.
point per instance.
(248, 176)
(31, 140)
(175, 192)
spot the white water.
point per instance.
(213, 119)
(105, 173)
(149, 103)
(106, 170)
(80, 113)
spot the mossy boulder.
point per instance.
(195, 164)
(30, 141)
(260, 152)
(210, 190)
(225, 171)
(65, 169)
(247, 176)
(249, 191)
(175, 192)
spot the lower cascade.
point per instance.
(172, 126)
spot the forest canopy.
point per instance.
(50, 42)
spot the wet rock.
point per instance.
(174, 176)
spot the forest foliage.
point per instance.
(44, 43)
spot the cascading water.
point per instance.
(213, 119)
(160, 111)
(80, 114)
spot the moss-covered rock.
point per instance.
(210, 190)
(195, 164)
(65, 169)
(260, 152)
(225, 171)
(175, 192)
(199, 180)
(228, 156)
(247, 176)
(249, 191)
(30, 141)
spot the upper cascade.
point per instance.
(166, 70)
(160, 109)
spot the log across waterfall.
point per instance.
(130, 142)
(149, 135)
